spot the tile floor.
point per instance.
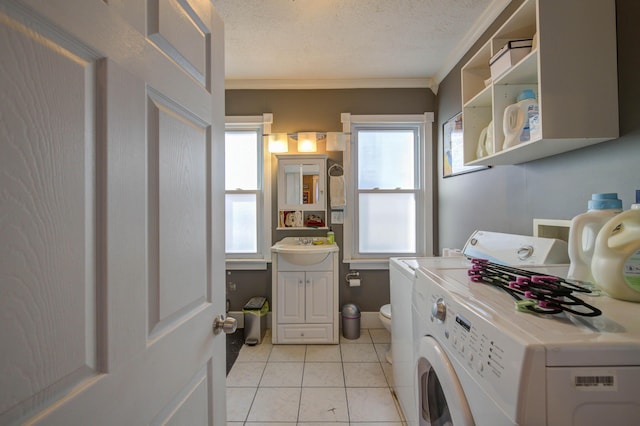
(344, 384)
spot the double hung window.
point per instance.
(247, 195)
(390, 163)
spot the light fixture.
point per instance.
(278, 142)
(336, 141)
(307, 142)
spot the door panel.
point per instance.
(111, 160)
(178, 189)
(291, 298)
(319, 297)
(176, 29)
(46, 220)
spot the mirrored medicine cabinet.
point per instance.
(302, 191)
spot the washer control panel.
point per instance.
(473, 343)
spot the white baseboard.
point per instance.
(367, 319)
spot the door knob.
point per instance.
(228, 325)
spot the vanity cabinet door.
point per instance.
(319, 297)
(291, 297)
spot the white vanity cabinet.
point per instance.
(305, 301)
(572, 69)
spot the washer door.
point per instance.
(441, 399)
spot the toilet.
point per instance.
(385, 318)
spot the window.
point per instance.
(247, 194)
(390, 187)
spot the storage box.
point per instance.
(508, 56)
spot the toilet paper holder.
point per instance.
(353, 278)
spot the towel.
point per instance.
(337, 191)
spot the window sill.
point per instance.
(381, 264)
(247, 264)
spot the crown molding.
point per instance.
(364, 83)
(475, 32)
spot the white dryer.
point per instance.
(480, 361)
(402, 273)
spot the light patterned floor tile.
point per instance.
(323, 405)
(254, 353)
(371, 405)
(323, 353)
(388, 373)
(365, 337)
(275, 405)
(282, 374)
(245, 374)
(238, 403)
(380, 335)
(381, 351)
(287, 353)
(364, 375)
(358, 353)
(323, 374)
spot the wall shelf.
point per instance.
(572, 71)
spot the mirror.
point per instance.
(301, 190)
(302, 183)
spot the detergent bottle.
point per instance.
(515, 123)
(584, 230)
(616, 257)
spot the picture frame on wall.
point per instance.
(453, 149)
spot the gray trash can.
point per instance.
(255, 320)
(350, 321)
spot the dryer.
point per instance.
(402, 272)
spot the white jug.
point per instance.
(584, 230)
(616, 257)
(485, 142)
(515, 123)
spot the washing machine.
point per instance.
(402, 273)
(480, 361)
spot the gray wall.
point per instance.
(319, 110)
(507, 198)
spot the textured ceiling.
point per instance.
(348, 43)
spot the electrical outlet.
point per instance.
(231, 286)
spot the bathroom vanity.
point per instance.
(305, 291)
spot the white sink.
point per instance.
(304, 250)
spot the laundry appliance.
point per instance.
(481, 361)
(402, 273)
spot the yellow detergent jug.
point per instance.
(616, 258)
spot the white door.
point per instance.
(111, 212)
(319, 295)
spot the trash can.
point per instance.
(255, 320)
(350, 321)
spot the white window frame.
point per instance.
(259, 260)
(424, 198)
